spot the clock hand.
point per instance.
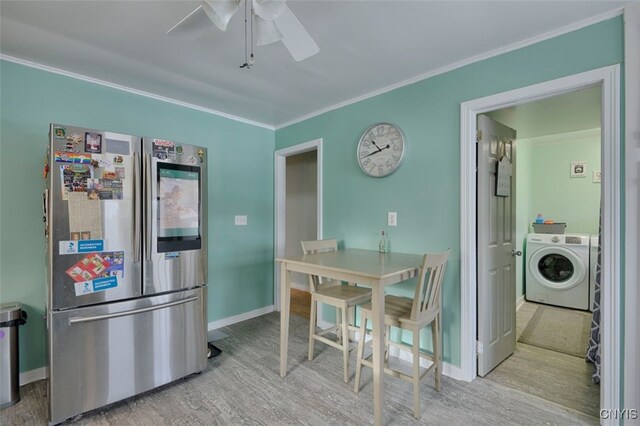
(370, 154)
(375, 152)
(374, 144)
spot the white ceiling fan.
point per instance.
(273, 20)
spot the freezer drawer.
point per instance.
(103, 354)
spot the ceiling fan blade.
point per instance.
(220, 11)
(192, 26)
(266, 32)
(294, 37)
(269, 9)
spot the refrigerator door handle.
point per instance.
(136, 207)
(148, 206)
(78, 320)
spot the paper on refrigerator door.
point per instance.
(85, 217)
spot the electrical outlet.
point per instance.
(241, 220)
(392, 219)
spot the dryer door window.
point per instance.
(555, 267)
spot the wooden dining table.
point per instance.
(368, 267)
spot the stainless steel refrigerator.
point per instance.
(126, 231)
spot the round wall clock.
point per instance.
(381, 149)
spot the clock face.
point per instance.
(381, 150)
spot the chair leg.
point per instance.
(360, 352)
(312, 325)
(416, 372)
(437, 349)
(345, 343)
(387, 336)
(339, 325)
(351, 314)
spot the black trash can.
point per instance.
(11, 316)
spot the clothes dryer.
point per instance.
(557, 270)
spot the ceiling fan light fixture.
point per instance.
(272, 21)
(266, 32)
(268, 9)
(221, 11)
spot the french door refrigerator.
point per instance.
(126, 227)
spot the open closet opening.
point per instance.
(543, 202)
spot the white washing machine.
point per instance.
(593, 260)
(558, 269)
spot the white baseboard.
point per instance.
(33, 375)
(239, 318)
(519, 302)
(448, 370)
(325, 324)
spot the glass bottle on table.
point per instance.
(383, 245)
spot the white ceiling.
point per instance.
(365, 46)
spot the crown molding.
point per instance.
(122, 88)
(514, 46)
(496, 52)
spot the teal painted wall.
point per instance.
(240, 182)
(425, 191)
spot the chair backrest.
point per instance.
(428, 291)
(318, 246)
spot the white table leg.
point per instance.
(285, 297)
(377, 312)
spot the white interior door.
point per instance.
(496, 250)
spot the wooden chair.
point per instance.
(413, 315)
(342, 297)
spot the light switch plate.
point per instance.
(241, 220)
(392, 219)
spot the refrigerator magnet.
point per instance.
(93, 142)
(80, 246)
(163, 150)
(71, 157)
(75, 138)
(93, 286)
(59, 132)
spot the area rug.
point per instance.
(560, 330)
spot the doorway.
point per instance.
(551, 310)
(608, 78)
(298, 215)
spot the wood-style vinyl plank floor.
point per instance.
(553, 376)
(243, 386)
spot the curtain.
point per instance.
(593, 350)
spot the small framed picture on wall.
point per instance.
(579, 169)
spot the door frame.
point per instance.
(609, 79)
(280, 168)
